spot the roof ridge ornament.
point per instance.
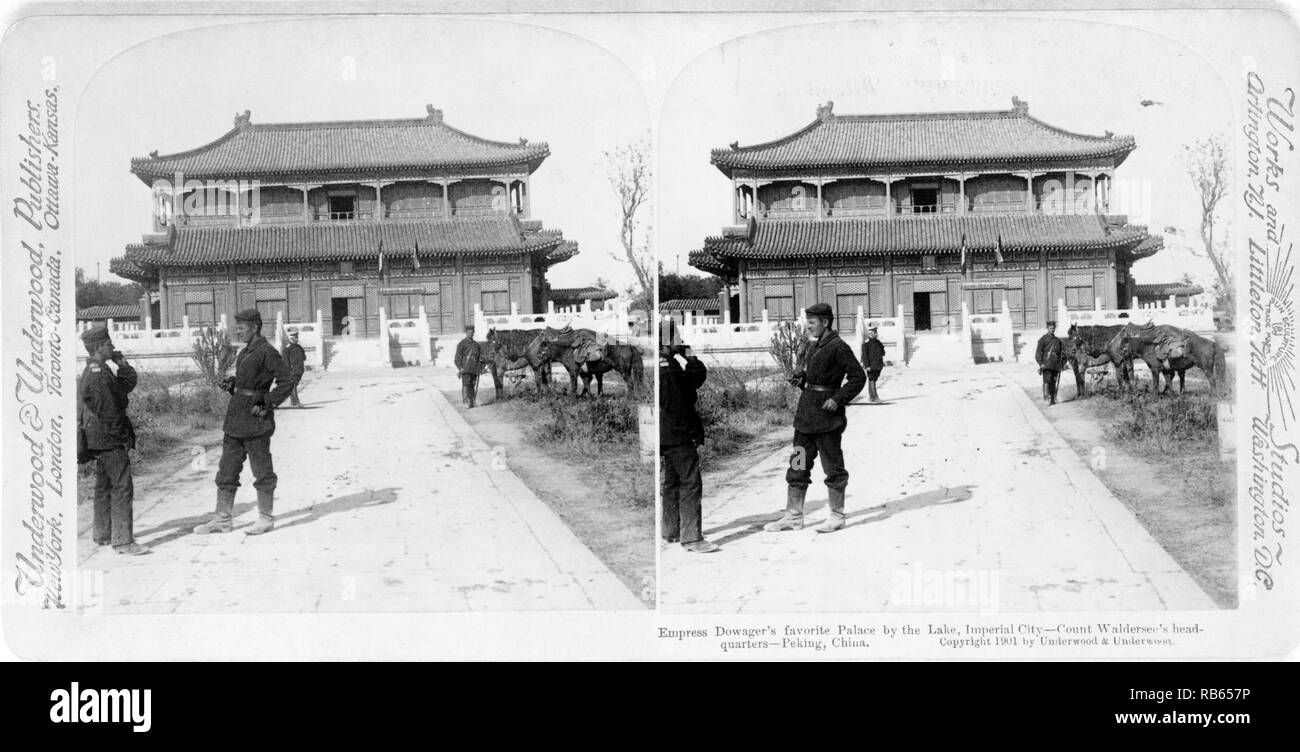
(1019, 106)
(1110, 134)
(826, 111)
(242, 118)
(523, 141)
(434, 113)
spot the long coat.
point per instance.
(828, 362)
(873, 354)
(103, 399)
(1050, 354)
(468, 358)
(256, 367)
(679, 422)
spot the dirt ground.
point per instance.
(593, 499)
(1185, 502)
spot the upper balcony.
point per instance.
(1006, 193)
(342, 202)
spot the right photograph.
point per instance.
(946, 324)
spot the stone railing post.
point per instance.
(426, 348)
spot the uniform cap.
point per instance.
(95, 334)
(1051, 323)
(821, 310)
(250, 315)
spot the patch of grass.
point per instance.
(738, 406)
(1154, 425)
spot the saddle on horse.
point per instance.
(588, 346)
(1168, 342)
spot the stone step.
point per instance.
(938, 350)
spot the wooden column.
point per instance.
(820, 211)
(379, 201)
(306, 202)
(446, 201)
(1029, 191)
(889, 197)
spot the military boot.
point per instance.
(265, 522)
(793, 517)
(223, 520)
(871, 391)
(835, 520)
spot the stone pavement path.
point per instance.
(962, 497)
(387, 501)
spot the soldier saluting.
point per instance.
(250, 421)
(107, 435)
(831, 376)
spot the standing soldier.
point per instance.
(108, 435)
(1050, 356)
(873, 359)
(250, 422)
(296, 359)
(469, 364)
(830, 377)
(680, 432)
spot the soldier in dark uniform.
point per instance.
(873, 359)
(680, 432)
(469, 364)
(250, 422)
(296, 358)
(1050, 356)
(830, 376)
(108, 435)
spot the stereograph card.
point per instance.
(482, 333)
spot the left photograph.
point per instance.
(380, 343)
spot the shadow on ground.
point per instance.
(748, 525)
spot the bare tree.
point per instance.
(1207, 166)
(629, 171)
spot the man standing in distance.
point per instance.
(830, 376)
(873, 359)
(1050, 356)
(296, 358)
(250, 422)
(680, 432)
(108, 436)
(469, 363)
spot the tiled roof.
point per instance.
(254, 150)
(705, 261)
(125, 267)
(925, 234)
(581, 293)
(1148, 247)
(491, 235)
(691, 304)
(1165, 289)
(116, 312)
(867, 141)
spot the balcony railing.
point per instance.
(347, 216)
(425, 213)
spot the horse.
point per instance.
(519, 348)
(562, 344)
(1089, 346)
(1149, 343)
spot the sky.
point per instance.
(497, 80)
(503, 80)
(1081, 76)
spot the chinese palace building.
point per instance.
(926, 211)
(344, 217)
